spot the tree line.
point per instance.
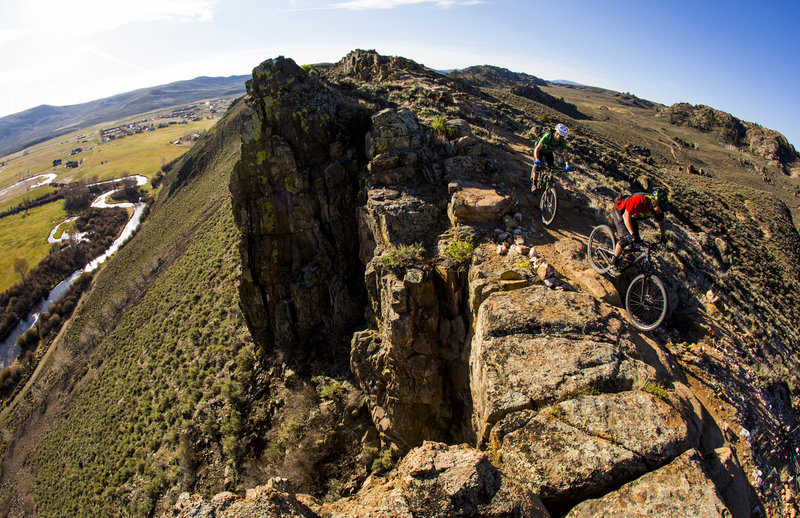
(46, 328)
(78, 195)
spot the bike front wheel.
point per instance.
(601, 249)
(646, 302)
(548, 205)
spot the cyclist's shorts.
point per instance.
(619, 222)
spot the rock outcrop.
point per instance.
(760, 141)
(434, 480)
(349, 203)
(293, 194)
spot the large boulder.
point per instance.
(437, 480)
(584, 446)
(679, 490)
(476, 205)
(536, 346)
(273, 499)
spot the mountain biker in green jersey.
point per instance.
(545, 150)
(627, 212)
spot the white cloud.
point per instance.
(361, 5)
(7, 35)
(84, 17)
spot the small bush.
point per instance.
(443, 128)
(403, 256)
(657, 389)
(384, 461)
(368, 454)
(460, 250)
(329, 388)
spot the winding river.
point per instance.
(8, 348)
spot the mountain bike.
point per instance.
(646, 297)
(548, 204)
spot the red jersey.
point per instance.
(639, 206)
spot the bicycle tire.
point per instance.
(548, 205)
(646, 302)
(600, 249)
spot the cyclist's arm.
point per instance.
(662, 228)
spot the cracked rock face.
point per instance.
(680, 489)
(587, 445)
(535, 346)
(293, 193)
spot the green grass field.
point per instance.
(35, 193)
(144, 153)
(24, 235)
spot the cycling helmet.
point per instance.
(561, 130)
(660, 197)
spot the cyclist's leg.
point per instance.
(550, 159)
(622, 232)
(547, 158)
(534, 175)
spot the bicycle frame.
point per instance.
(643, 258)
(545, 179)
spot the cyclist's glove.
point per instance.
(663, 240)
(637, 241)
(568, 169)
(538, 163)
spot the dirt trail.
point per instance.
(564, 245)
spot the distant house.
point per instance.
(71, 164)
(76, 151)
(56, 162)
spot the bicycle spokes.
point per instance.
(646, 302)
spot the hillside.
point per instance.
(318, 318)
(29, 127)
(158, 334)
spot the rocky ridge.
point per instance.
(760, 141)
(521, 356)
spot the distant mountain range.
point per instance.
(23, 129)
(565, 82)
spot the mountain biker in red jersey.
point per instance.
(545, 149)
(627, 212)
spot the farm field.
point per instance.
(142, 153)
(24, 235)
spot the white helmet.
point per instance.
(561, 130)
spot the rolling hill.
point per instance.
(30, 127)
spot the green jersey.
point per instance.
(549, 143)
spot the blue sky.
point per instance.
(740, 57)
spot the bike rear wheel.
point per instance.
(646, 302)
(548, 205)
(601, 249)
